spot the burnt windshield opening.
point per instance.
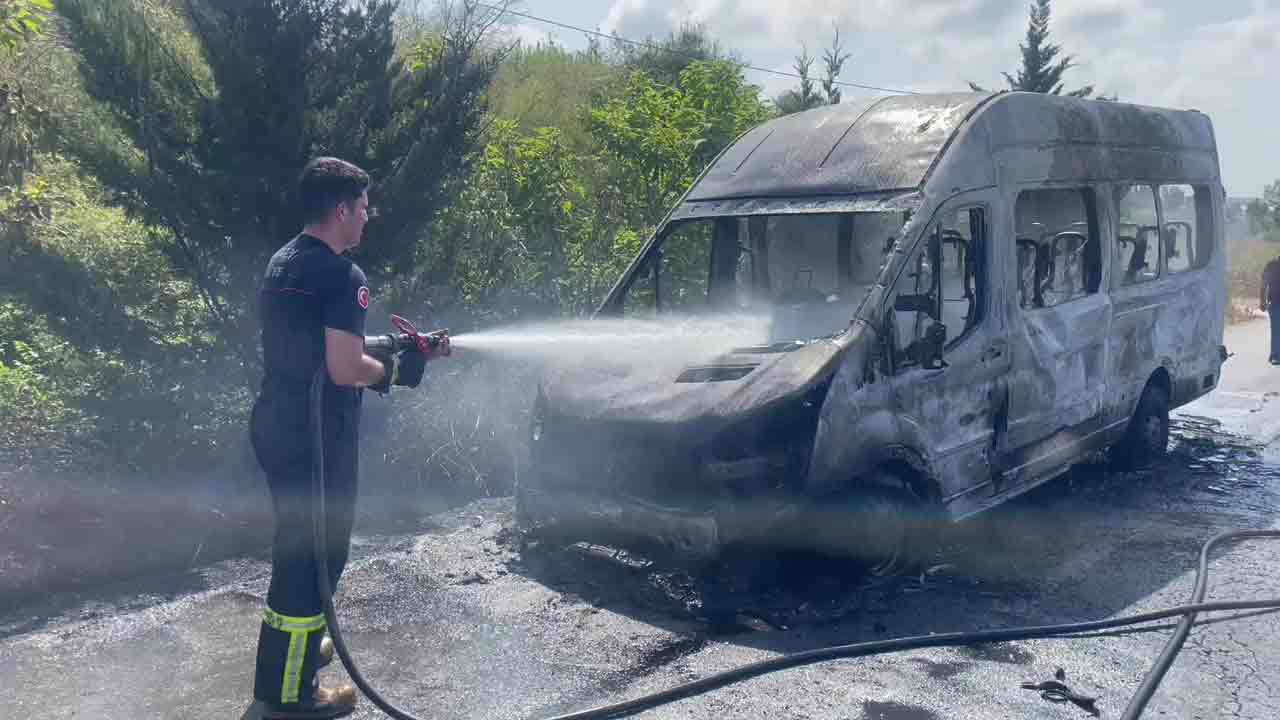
(803, 275)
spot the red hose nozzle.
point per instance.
(433, 344)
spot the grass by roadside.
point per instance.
(1245, 262)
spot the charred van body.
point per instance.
(961, 296)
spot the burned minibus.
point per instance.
(963, 294)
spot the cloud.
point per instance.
(1226, 64)
(761, 22)
(1091, 18)
(528, 34)
(1173, 53)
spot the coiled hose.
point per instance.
(625, 708)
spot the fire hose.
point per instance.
(437, 344)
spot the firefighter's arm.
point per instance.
(1264, 293)
(347, 362)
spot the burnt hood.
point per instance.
(663, 391)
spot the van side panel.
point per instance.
(1174, 323)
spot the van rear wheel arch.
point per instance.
(1146, 438)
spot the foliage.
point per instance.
(103, 337)
(544, 225)
(22, 23)
(530, 75)
(1042, 63)
(498, 244)
(805, 96)
(833, 59)
(222, 104)
(1246, 260)
(159, 174)
(659, 137)
(665, 60)
(1263, 214)
(21, 20)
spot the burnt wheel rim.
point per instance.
(886, 548)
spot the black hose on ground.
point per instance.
(322, 551)
(1173, 646)
(878, 647)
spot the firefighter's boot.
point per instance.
(290, 650)
(324, 704)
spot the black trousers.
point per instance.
(1275, 332)
(293, 624)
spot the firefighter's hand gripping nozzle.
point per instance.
(404, 355)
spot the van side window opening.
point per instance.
(1138, 237)
(962, 236)
(1056, 241)
(953, 281)
(1188, 237)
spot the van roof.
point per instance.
(895, 143)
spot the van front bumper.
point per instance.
(697, 535)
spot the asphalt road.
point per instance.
(455, 621)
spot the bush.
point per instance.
(1246, 260)
(102, 346)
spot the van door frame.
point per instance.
(1032, 457)
(953, 413)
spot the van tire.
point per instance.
(877, 527)
(1147, 437)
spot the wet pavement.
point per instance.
(457, 620)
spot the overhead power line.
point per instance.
(659, 48)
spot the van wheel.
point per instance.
(1147, 437)
(877, 527)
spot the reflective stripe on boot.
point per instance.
(298, 629)
(287, 647)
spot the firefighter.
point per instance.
(312, 312)
(1270, 303)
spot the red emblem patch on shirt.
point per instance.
(362, 297)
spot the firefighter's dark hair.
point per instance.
(327, 181)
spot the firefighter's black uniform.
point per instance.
(307, 288)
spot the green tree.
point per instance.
(833, 60)
(664, 60)
(544, 225)
(1263, 214)
(21, 22)
(1043, 64)
(659, 137)
(504, 244)
(531, 75)
(805, 96)
(223, 103)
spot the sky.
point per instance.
(1214, 56)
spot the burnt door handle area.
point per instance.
(993, 351)
(968, 418)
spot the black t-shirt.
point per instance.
(307, 288)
